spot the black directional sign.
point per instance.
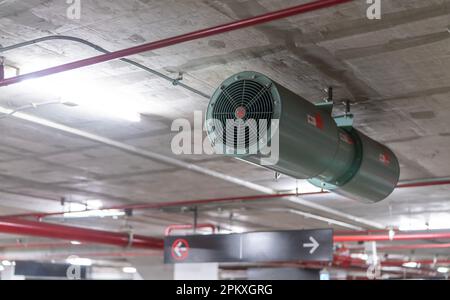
(303, 245)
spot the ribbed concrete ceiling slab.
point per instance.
(395, 71)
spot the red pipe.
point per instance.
(424, 183)
(31, 228)
(171, 204)
(171, 228)
(395, 237)
(405, 247)
(415, 246)
(272, 16)
(207, 201)
(2, 69)
(395, 263)
(218, 200)
(345, 262)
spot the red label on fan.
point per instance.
(385, 158)
(240, 112)
(316, 121)
(346, 138)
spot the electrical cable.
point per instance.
(28, 106)
(175, 82)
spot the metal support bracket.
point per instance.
(130, 239)
(328, 103)
(195, 219)
(178, 79)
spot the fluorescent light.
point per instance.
(75, 243)
(94, 204)
(411, 264)
(443, 270)
(78, 261)
(304, 187)
(95, 213)
(129, 270)
(10, 71)
(6, 263)
(99, 97)
(324, 275)
(73, 206)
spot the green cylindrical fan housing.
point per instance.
(311, 145)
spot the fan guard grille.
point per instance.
(241, 101)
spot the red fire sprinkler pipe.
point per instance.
(407, 247)
(31, 228)
(395, 237)
(160, 205)
(424, 183)
(272, 16)
(139, 206)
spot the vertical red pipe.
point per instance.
(272, 16)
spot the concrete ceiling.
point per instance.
(395, 70)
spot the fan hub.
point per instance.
(240, 112)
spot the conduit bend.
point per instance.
(175, 82)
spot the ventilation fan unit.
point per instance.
(250, 114)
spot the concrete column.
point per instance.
(152, 268)
(208, 271)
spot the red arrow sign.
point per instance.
(180, 249)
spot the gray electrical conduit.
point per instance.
(175, 82)
(29, 106)
(156, 156)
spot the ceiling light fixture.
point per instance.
(6, 263)
(98, 97)
(129, 270)
(411, 264)
(443, 270)
(75, 243)
(94, 204)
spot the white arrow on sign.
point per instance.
(179, 248)
(313, 245)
